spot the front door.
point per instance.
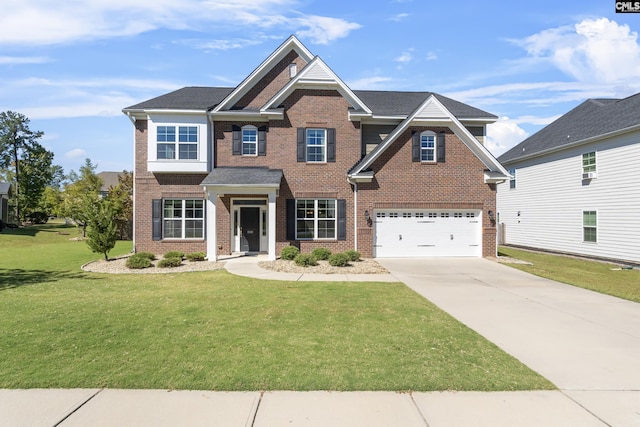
(250, 229)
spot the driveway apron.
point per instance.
(586, 343)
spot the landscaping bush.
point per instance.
(169, 262)
(148, 255)
(352, 255)
(321, 253)
(338, 260)
(196, 256)
(289, 252)
(138, 261)
(174, 254)
(305, 260)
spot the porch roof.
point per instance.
(245, 177)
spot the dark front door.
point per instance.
(250, 229)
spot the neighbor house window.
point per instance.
(512, 180)
(315, 219)
(427, 146)
(249, 141)
(589, 226)
(316, 145)
(589, 162)
(187, 142)
(183, 218)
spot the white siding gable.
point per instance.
(317, 72)
(545, 209)
(431, 110)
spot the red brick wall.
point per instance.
(456, 183)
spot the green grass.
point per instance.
(596, 276)
(61, 327)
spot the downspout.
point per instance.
(133, 226)
(355, 213)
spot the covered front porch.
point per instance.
(251, 194)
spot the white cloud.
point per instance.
(503, 135)
(369, 83)
(399, 17)
(593, 50)
(218, 44)
(13, 60)
(431, 56)
(404, 58)
(81, 20)
(76, 153)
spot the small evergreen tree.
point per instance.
(102, 231)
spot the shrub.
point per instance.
(305, 260)
(321, 253)
(137, 262)
(289, 252)
(148, 255)
(196, 256)
(38, 217)
(169, 262)
(352, 255)
(338, 260)
(174, 254)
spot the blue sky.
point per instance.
(72, 66)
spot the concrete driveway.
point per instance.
(586, 343)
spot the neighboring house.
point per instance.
(5, 194)
(576, 183)
(292, 155)
(109, 179)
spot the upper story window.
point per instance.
(249, 141)
(512, 180)
(187, 142)
(427, 146)
(316, 145)
(589, 165)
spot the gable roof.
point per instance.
(187, 98)
(592, 120)
(109, 179)
(433, 111)
(229, 176)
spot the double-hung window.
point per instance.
(589, 226)
(315, 219)
(427, 146)
(316, 140)
(187, 142)
(249, 141)
(183, 218)
(512, 180)
(589, 165)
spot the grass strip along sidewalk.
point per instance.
(61, 327)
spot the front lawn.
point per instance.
(61, 327)
(596, 276)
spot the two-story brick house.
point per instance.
(293, 156)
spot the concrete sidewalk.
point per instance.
(158, 408)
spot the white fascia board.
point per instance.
(238, 115)
(292, 43)
(171, 111)
(332, 82)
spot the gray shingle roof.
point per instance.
(187, 98)
(393, 103)
(592, 118)
(382, 103)
(109, 179)
(244, 176)
(5, 187)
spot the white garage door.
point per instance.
(418, 233)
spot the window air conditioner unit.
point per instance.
(589, 175)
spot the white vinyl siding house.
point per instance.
(546, 208)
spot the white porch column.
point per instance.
(212, 235)
(271, 256)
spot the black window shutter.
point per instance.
(342, 219)
(262, 141)
(291, 219)
(331, 145)
(415, 147)
(236, 140)
(440, 145)
(156, 215)
(302, 145)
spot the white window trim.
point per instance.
(323, 146)
(183, 220)
(433, 150)
(248, 127)
(316, 219)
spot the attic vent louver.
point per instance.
(293, 70)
